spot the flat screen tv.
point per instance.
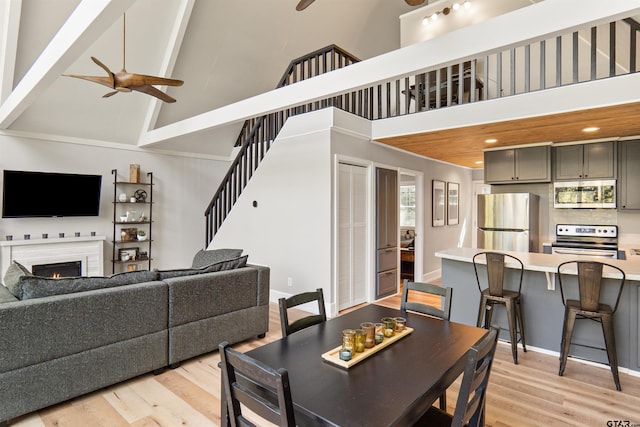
(28, 194)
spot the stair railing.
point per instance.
(257, 134)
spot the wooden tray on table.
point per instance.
(333, 356)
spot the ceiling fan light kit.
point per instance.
(122, 81)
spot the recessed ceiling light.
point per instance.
(490, 140)
(591, 129)
(479, 162)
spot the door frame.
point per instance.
(332, 306)
(418, 252)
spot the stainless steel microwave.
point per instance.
(585, 194)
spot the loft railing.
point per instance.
(587, 54)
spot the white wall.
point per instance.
(183, 187)
(292, 231)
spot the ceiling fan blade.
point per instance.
(158, 81)
(150, 90)
(131, 80)
(303, 4)
(107, 95)
(414, 2)
(105, 68)
(108, 82)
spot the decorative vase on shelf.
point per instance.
(142, 235)
(122, 197)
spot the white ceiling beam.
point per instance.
(10, 11)
(169, 59)
(87, 22)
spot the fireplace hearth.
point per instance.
(58, 269)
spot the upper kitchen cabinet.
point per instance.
(522, 165)
(629, 175)
(585, 161)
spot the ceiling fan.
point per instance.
(122, 81)
(303, 4)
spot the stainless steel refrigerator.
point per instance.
(509, 222)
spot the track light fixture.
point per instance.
(466, 4)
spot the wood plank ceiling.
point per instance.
(465, 146)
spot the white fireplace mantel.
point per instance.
(87, 249)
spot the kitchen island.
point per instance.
(542, 304)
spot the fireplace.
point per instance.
(87, 250)
(58, 269)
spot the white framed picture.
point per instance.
(453, 193)
(438, 202)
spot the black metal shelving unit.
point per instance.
(122, 243)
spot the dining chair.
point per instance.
(297, 300)
(262, 389)
(470, 406)
(495, 293)
(428, 289)
(442, 292)
(591, 304)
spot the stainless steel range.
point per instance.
(586, 240)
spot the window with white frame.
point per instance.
(407, 206)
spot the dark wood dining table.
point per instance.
(392, 387)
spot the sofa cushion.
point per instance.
(204, 258)
(6, 295)
(12, 278)
(218, 266)
(40, 287)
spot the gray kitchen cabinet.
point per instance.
(635, 325)
(585, 161)
(530, 164)
(386, 232)
(628, 175)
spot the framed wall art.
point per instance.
(438, 203)
(453, 190)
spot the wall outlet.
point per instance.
(290, 281)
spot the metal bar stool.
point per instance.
(495, 293)
(591, 305)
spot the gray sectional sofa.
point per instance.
(89, 333)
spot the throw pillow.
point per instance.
(204, 258)
(219, 266)
(6, 295)
(40, 287)
(12, 278)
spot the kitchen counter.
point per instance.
(547, 263)
(542, 303)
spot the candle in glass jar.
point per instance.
(401, 324)
(370, 331)
(345, 354)
(389, 326)
(349, 340)
(379, 332)
(361, 337)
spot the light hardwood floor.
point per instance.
(528, 394)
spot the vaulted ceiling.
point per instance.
(225, 51)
